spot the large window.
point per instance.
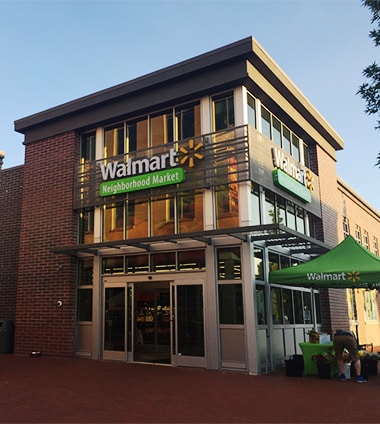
(137, 135)
(162, 215)
(229, 263)
(274, 129)
(251, 103)
(84, 291)
(114, 141)
(87, 147)
(188, 122)
(161, 128)
(86, 226)
(190, 211)
(291, 306)
(260, 305)
(136, 218)
(113, 222)
(224, 114)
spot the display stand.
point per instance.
(311, 349)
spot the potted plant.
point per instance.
(313, 336)
(324, 361)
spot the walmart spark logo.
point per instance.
(354, 276)
(309, 181)
(191, 153)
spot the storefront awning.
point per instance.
(265, 235)
(348, 265)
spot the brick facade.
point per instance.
(11, 181)
(46, 221)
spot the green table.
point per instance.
(310, 349)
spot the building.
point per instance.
(153, 211)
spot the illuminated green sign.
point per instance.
(291, 185)
(142, 182)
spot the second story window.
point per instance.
(358, 234)
(346, 227)
(224, 114)
(87, 147)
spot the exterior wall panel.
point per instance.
(11, 181)
(44, 278)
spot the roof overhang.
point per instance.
(276, 235)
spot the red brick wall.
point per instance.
(10, 216)
(334, 301)
(47, 220)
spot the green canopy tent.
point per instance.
(348, 265)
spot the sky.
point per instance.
(52, 52)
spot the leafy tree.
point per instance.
(370, 91)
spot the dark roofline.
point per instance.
(218, 70)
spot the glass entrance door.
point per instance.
(152, 322)
(188, 336)
(114, 324)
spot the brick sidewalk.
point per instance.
(68, 390)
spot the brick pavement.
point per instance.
(69, 390)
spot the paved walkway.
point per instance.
(69, 390)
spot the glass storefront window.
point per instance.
(284, 262)
(227, 202)
(276, 301)
(287, 304)
(258, 263)
(300, 220)
(260, 305)
(113, 228)
(231, 304)
(137, 224)
(162, 215)
(269, 212)
(298, 307)
(273, 261)
(281, 210)
(290, 215)
(191, 260)
(163, 262)
(86, 226)
(85, 271)
(136, 263)
(113, 265)
(229, 263)
(190, 211)
(307, 310)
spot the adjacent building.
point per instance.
(151, 213)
